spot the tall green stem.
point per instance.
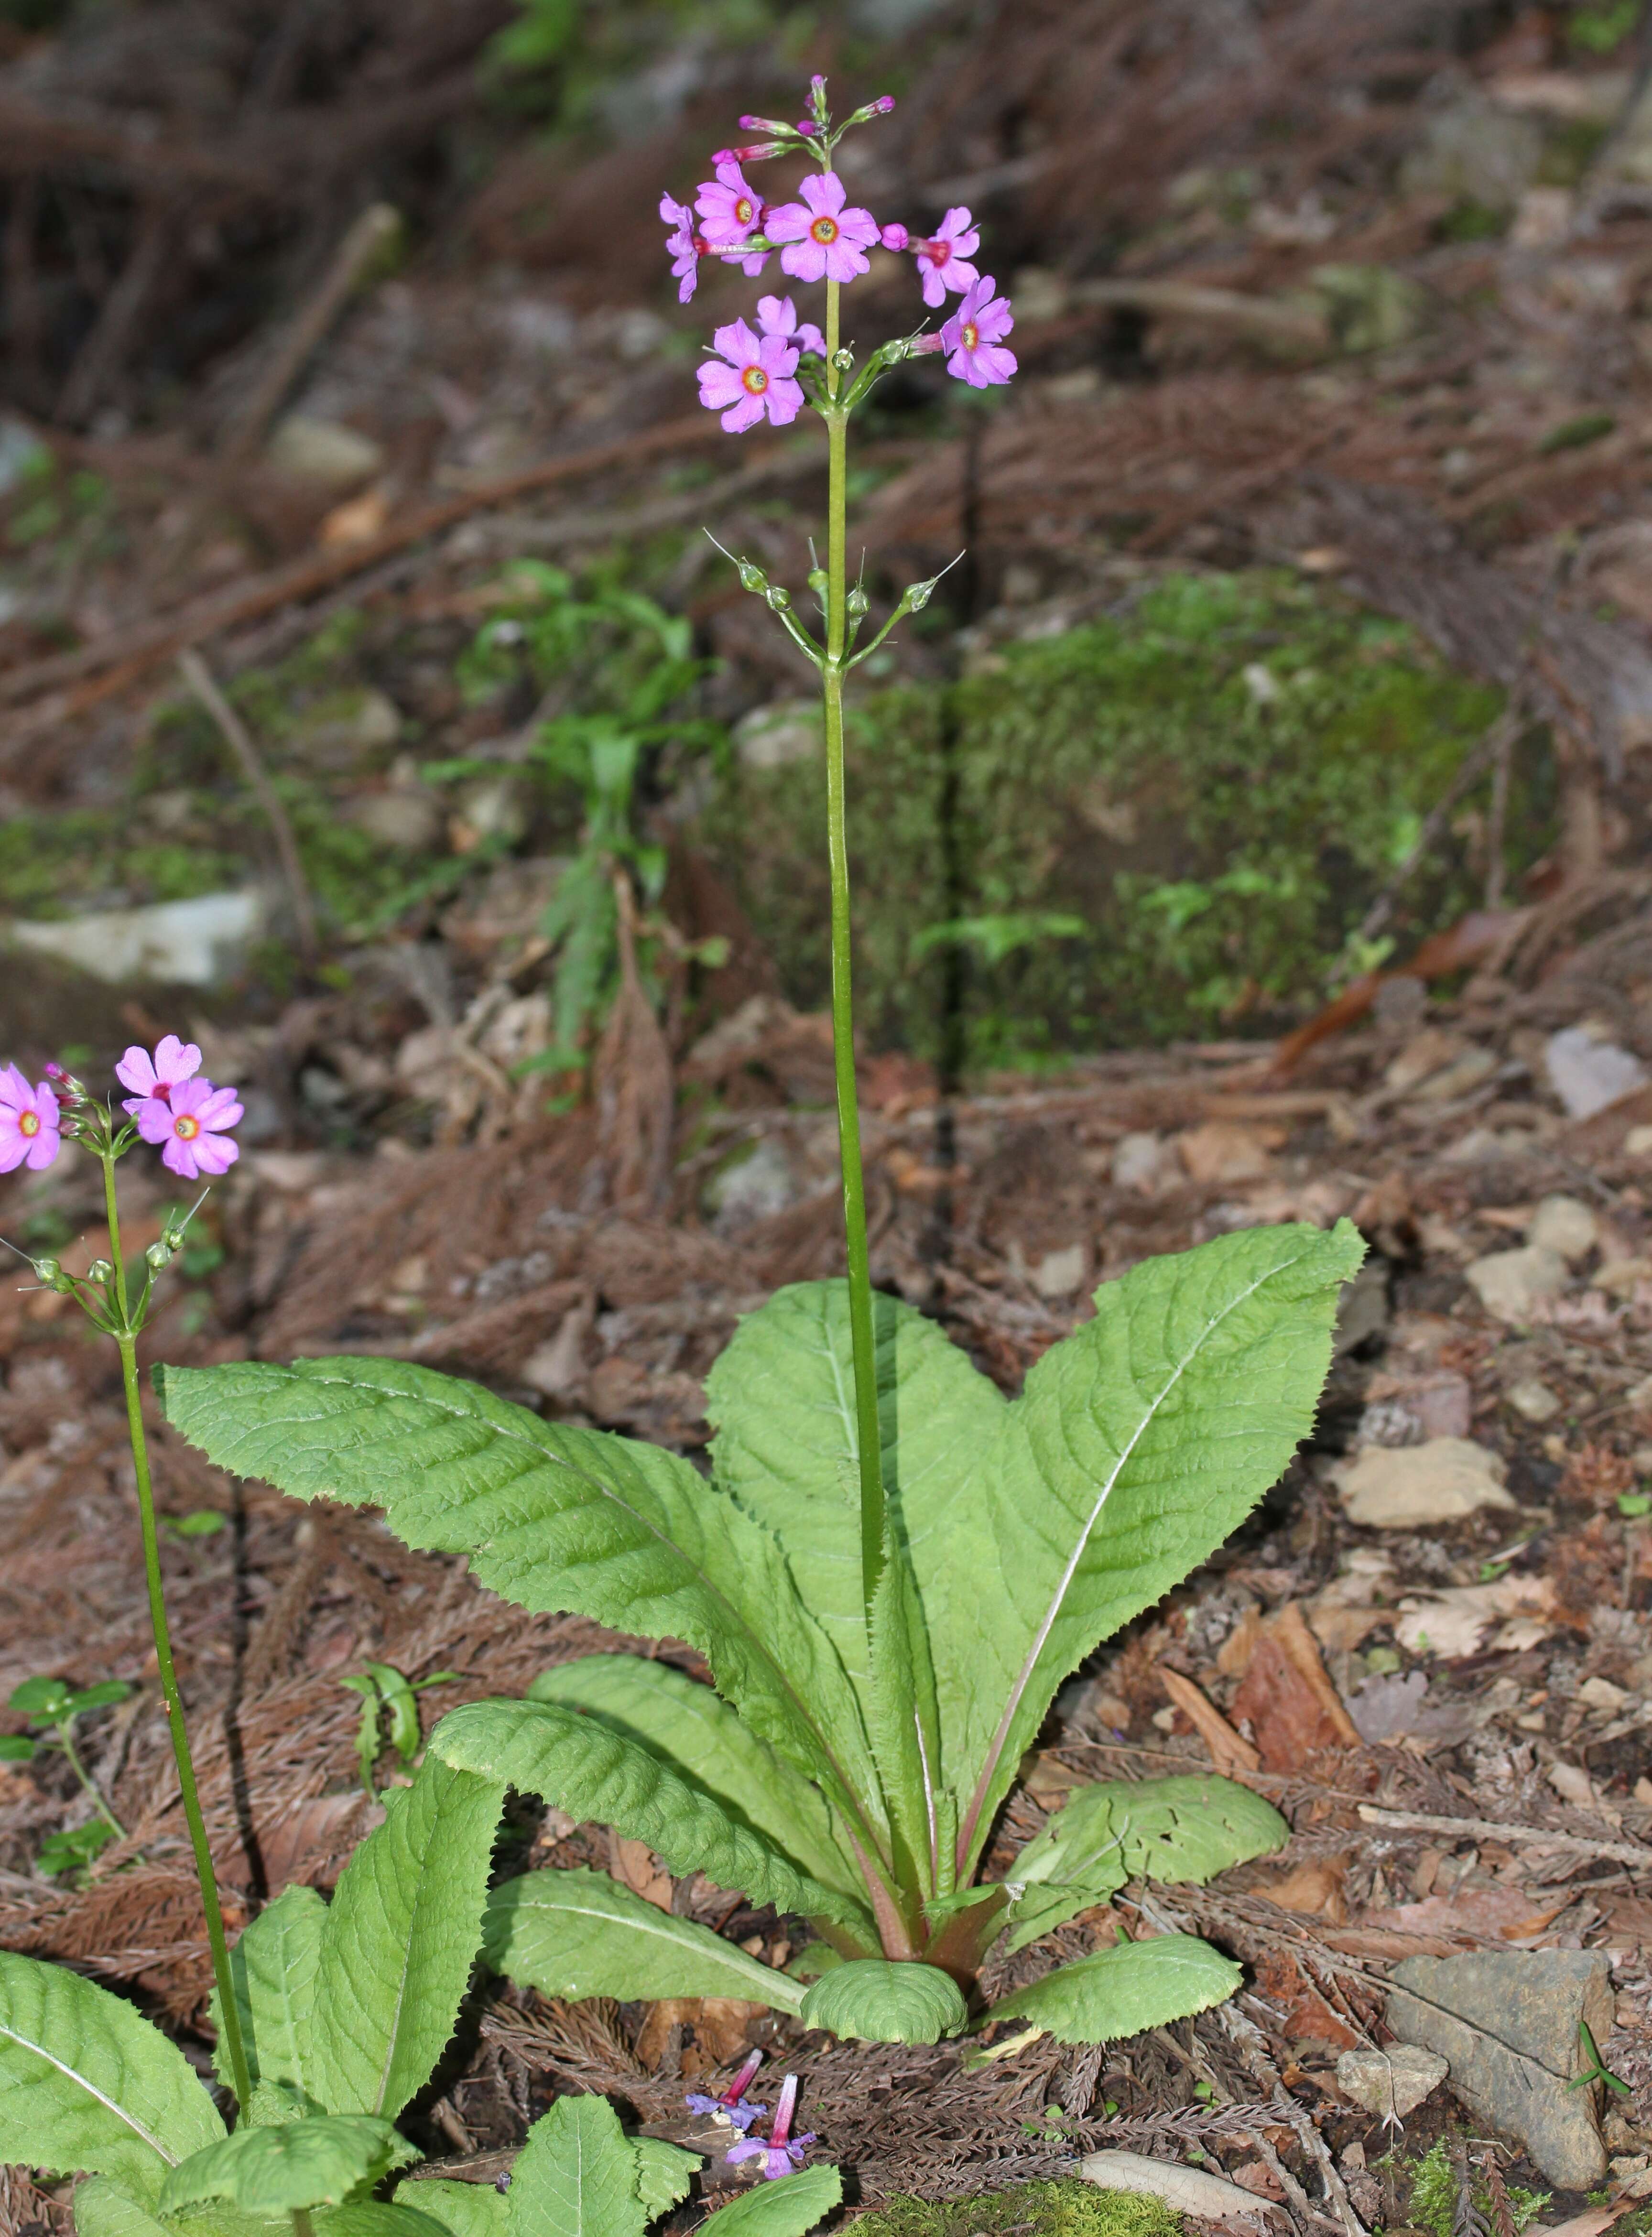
(126, 1339)
(848, 1115)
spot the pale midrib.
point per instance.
(91, 2089)
(1024, 1676)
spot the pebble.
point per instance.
(1534, 1400)
(1138, 1160)
(1510, 1283)
(1391, 2084)
(1586, 1074)
(1418, 1487)
(1563, 1225)
(1058, 1273)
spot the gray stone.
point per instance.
(1475, 152)
(1510, 1283)
(1419, 1487)
(1506, 2022)
(1138, 1160)
(191, 943)
(775, 737)
(755, 1187)
(1586, 1073)
(324, 453)
(1389, 2084)
(1561, 1223)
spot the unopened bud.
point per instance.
(49, 1271)
(843, 360)
(818, 578)
(917, 595)
(65, 1083)
(158, 1257)
(173, 1238)
(758, 154)
(857, 602)
(895, 237)
(752, 577)
(762, 124)
(779, 599)
(883, 104)
(99, 1271)
(805, 128)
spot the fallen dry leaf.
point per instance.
(1504, 1914)
(1229, 1750)
(1306, 2016)
(721, 2026)
(1452, 1623)
(635, 1862)
(1283, 1696)
(1315, 1889)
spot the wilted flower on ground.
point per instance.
(784, 2153)
(942, 258)
(29, 1123)
(729, 2108)
(973, 334)
(756, 379)
(190, 1131)
(777, 315)
(825, 241)
(155, 1076)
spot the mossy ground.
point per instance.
(1167, 823)
(1031, 2209)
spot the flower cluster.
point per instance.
(186, 1118)
(822, 236)
(784, 2153)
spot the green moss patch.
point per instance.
(1167, 823)
(1032, 2209)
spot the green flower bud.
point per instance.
(99, 1271)
(752, 577)
(918, 595)
(49, 1271)
(857, 603)
(843, 360)
(779, 599)
(158, 1257)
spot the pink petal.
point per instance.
(175, 1060)
(810, 338)
(214, 1153)
(790, 222)
(845, 261)
(859, 225)
(221, 1109)
(177, 1158)
(737, 343)
(934, 287)
(719, 385)
(154, 1120)
(135, 1071)
(804, 260)
(777, 356)
(14, 1089)
(823, 192)
(746, 413)
(14, 1148)
(777, 315)
(44, 1147)
(784, 401)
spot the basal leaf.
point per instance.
(1139, 1443)
(590, 1771)
(103, 2209)
(877, 2001)
(696, 1731)
(1161, 1829)
(905, 1743)
(663, 2175)
(88, 2086)
(1123, 1991)
(579, 1934)
(369, 2219)
(781, 1398)
(400, 1938)
(554, 1518)
(463, 2210)
(318, 2162)
(786, 2208)
(272, 1967)
(1046, 1905)
(576, 2175)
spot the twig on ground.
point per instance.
(1462, 1829)
(238, 739)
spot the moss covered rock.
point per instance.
(1031, 2209)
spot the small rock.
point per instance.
(1427, 1052)
(1389, 2084)
(1510, 1283)
(323, 451)
(1560, 1223)
(1058, 1273)
(1573, 1784)
(1138, 1160)
(1417, 1486)
(1533, 1401)
(1506, 2022)
(345, 729)
(1362, 1309)
(775, 737)
(1459, 1078)
(755, 1187)
(1475, 152)
(1221, 1150)
(1600, 1693)
(407, 816)
(1184, 2190)
(175, 943)
(1637, 1143)
(1586, 1073)
(1385, 1708)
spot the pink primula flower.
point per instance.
(683, 246)
(784, 2153)
(777, 315)
(973, 334)
(825, 241)
(29, 1123)
(731, 208)
(942, 259)
(756, 379)
(174, 1062)
(190, 1130)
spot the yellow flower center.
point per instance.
(745, 210)
(29, 1123)
(754, 380)
(186, 1129)
(824, 230)
(972, 336)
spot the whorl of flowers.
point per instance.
(770, 372)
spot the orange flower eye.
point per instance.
(186, 1129)
(754, 380)
(824, 230)
(29, 1123)
(971, 337)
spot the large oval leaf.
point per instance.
(576, 2175)
(464, 2209)
(103, 2209)
(88, 2086)
(786, 2208)
(319, 2161)
(554, 1518)
(595, 1773)
(1123, 1991)
(273, 1966)
(579, 1934)
(1160, 1828)
(877, 2001)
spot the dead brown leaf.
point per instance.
(1316, 1889)
(1490, 1914)
(1229, 1750)
(1306, 2016)
(635, 1864)
(721, 2028)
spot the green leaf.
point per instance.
(696, 1731)
(589, 1770)
(318, 2162)
(1049, 1903)
(45, 1698)
(781, 1398)
(14, 1748)
(272, 1967)
(1160, 1828)
(554, 1518)
(103, 1695)
(88, 2086)
(906, 1742)
(663, 2175)
(877, 2001)
(1139, 1443)
(464, 2209)
(370, 2219)
(579, 1934)
(576, 2175)
(399, 1939)
(785, 2208)
(1123, 1990)
(102, 2209)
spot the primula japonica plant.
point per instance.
(891, 1567)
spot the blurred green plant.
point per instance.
(389, 1714)
(53, 1708)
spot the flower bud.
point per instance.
(857, 603)
(67, 1087)
(805, 127)
(883, 104)
(762, 124)
(752, 577)
(917, 595)
(157, 1258)
(843, 360)
(51, 1274)
(895, 237)
(779, 599)
(173, 1238)
(99, 1271)
(818, 578)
